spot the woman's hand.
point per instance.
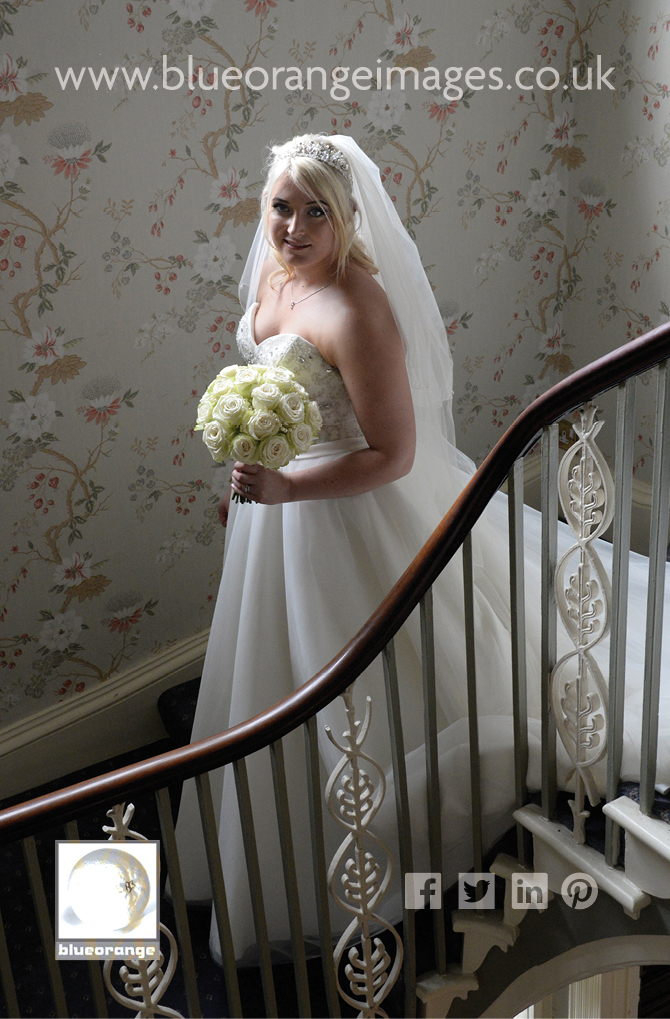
(260, 484)
(223, 507)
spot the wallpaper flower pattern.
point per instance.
(126, 211)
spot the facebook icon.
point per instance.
(423, 890)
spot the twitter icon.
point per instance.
(476, 891)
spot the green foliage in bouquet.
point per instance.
(257, 414)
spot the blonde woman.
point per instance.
(319, 285)
(335, 291)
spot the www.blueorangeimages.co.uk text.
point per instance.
(452, 82)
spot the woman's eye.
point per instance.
(316, 212)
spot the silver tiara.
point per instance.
(325, 153)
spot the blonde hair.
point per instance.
(322, 182)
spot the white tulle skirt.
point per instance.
(299, 580)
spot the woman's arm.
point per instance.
(367, 350)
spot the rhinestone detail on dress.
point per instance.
(323, 382)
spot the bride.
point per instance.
(335, 291)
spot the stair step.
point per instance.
(176, 707)
(647, 846)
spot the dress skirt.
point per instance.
(299, 580)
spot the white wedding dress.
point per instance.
(299, 580)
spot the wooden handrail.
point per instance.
(243, 739)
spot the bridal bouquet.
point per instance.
(257, 414)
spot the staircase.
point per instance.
(376, 967)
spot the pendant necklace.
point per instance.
(293, 302)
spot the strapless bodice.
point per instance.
(323, 382)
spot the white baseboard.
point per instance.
(119, 716)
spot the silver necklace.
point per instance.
(293, 302)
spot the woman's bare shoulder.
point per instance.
(360, 286)
(363, 307)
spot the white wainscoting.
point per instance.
(119, 716)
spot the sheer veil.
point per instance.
(424, 337)
(300, 578)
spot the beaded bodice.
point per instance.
(323, 382)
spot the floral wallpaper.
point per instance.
(128, 199)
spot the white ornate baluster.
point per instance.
(353, 805)
(118, 830)
(579, 691)
(144, 979)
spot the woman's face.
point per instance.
(299, 228)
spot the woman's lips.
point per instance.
(295, 245)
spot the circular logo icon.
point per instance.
(579, 891)
(109, 883)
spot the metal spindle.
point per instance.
(255, 884)
(6, 977)
(548, 596)
(473, 726)
(432, 768)
(518, 635)
(404, 820)
(623, 490)
(219, 896)
(320, 869)
(94, 968)
(169, 845)
(44, 923)
(658, 543)
(290, 876)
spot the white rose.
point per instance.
(263, 423)
(247, 373)
(280, 376)
(228, 373)
(220, 386)
(313, 416)
(229, 410)
(302, 437)
(204, 412)
(246, 378)
(291, 408)
(265, 396)
(214, 438)
(274, 452)
(244, 448)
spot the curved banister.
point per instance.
(247, 737)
